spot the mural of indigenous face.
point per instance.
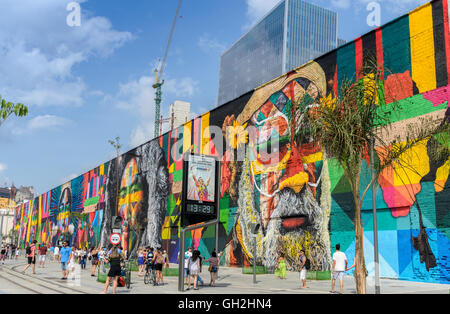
(130, 204)
(280, 176)
(94, 196)
(64, 208)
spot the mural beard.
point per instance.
(155, 183)
(297, 222)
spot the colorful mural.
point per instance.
(300, 198)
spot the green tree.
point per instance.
(8, 108)
(347, 126)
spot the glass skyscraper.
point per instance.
(291, 34)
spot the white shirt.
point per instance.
(340, 259)
(56, 250)
(187, 256)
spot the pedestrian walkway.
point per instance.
(230, 281)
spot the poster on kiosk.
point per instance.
(200, 189)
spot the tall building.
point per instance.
(291, 34)
(179, 113)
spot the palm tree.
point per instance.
(347, 126)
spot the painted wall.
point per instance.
(301, 200)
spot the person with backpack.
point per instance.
(31, 256)
(305, 265)
(158, 260)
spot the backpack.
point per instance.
(121, 282)
(160, 259)
(28, 250)
(307, 264)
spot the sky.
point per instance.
(87, 84)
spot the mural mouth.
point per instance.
(295, 212)
(293, 223)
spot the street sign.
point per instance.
(115, 238)
(200, 191)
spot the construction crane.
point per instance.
(158, 75)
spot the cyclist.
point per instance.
(150, 265)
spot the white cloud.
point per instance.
(256, 9)
(208, 44)
(38, 51)
(3, 167)
(41, 123)
(138, 96)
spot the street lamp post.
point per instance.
(375, 229)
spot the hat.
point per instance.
(311, 71)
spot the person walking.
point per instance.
(338, 268)
(113, 257)
(141, 262)
(304, 266)
(66, 256)
(31, 256)
(281, 267)
(13, 251)
(3, 254)
(73, 259)
(187, 256)
(56, 253)
(200, 279)
(83, 258)
(52, 253)
(214, 267)
(17, 253)
(42, 255)
(94, 260)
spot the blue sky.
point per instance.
(88, 84)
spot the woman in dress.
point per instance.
(194, 269)
(113, 257)
(214, 267)
(281, 268)
(141, 262)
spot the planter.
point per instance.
(318, 275)
(260, 270)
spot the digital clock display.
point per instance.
(200, 209)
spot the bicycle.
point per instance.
(150, 275)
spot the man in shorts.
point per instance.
(42, 255)
(31, 256)
(338, 268)
(66, 254)
(302, 269)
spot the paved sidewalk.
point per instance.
(231, 281)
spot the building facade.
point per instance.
(303, 202)
(179, 113)
(291, 34)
